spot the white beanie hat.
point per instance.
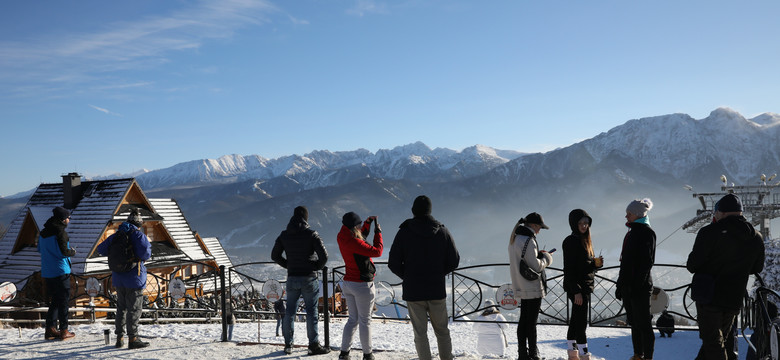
(640, 207)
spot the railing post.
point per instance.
(224, 314)
(326, 306)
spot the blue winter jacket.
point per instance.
(135, 278)
(53, 244)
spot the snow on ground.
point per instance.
(391, 340)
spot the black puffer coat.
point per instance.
(636, 261)
(578, 266)
(422, 254)
(303, 247)
(730, 250)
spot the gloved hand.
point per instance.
(70, 252)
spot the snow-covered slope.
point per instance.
(676, 145)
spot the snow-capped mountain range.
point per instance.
(324, 168)
(676, 145)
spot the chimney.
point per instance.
(71, 190)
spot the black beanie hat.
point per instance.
(730, 203)
(422, 206)
(60, 213)
(351, 220)
(135, 217)
(301, 212)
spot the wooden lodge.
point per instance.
(97, 210)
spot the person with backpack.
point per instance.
(526, 266)
(358, 285)
(127, 249)
(55, 250)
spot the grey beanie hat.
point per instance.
(640, 207)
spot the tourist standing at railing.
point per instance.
(358, 285)
(279, 310)
(579, 270)
(422, 255)
(304, 255)
(724, 256)
(529, 284)
(635, 283)
(54, 246)
(130, 284)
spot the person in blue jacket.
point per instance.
(54, 246)
(130, 285)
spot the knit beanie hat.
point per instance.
(640, 207)
(422, 206)
(729, 203)
(351, 220)
(301, 212)
(135, 217)
(60, 213)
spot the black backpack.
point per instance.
(121, 257)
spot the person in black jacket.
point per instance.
(579, 270)
(724, 256)
(305, 255)
(634, 283)
(422, 255)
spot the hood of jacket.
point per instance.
(297, 224)
(739, 225)
(53, 227)
(574, 218)
(525, 231)
(423, 225)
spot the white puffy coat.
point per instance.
(527, 289)
(491, 337)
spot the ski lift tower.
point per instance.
(760, 203)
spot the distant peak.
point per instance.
(766, 119)
(724, 112)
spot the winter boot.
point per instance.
(636, 357)
(317, 349)
(119, 342)
(51, 333)
(571, 350)
(533, 353)
(344, 355)
(136, 343)
(573, 354)
(65, 334)
(584, 354)
(368, 356)
(288, 349)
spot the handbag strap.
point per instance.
(526, 245)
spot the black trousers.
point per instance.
(58, 294)
(578, 321)
(638, 315)
(716, 324)
(526, 325)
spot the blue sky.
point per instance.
(103, 87)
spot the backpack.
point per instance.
(121, 257)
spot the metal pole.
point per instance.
(326, 306)
(222, 291)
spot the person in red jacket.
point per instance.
(358, 286)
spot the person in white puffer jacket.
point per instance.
(528, 291)
(491, 331)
